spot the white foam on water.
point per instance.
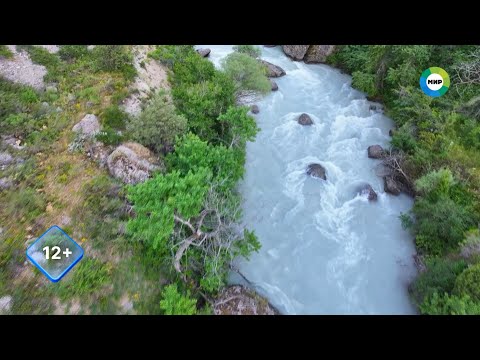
(325, 248)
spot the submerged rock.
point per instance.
(132, 163)
(391, 186)
(296, 52)
(317, 170)
(204, 52)
(254, 109)
(367, 190)
(375, 152)
(305, 119)
(318, 53)
(272, 69)
(269, 46)
(274, 85)
(88, 126)
(238, 300)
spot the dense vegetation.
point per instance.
(437, 143)
(189, 215)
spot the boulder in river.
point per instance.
(375, 152)
(317, 170)
(391, 132)
(238, 300)
(391, 186)
(367, 190)
(269, 46)
(272, 69)
(296, 52)
(204, 52)
(132, 163)
(274, 85)
(254, 109)
(305, 119)
(318, 53)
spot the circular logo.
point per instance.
(434, 81)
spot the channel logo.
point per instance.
(434, 81)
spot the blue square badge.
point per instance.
(54, 253)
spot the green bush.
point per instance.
(439, 278)
(468, 283)
(250, 50)
(158, 124)
(174, 303)
(450, 305)
(109, 136)
(202, 103)
(170, 54)
(192, 154)
(113, 117)
(71, 52)
(114, 58)
(5, 52)
(246, 72)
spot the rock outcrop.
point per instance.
(204, 52)
(238, 300)
(132, 163)
(317, 170)
(272, 69)
(296, 52)
(88, 126)
(318, 53)
(5, 304)
(20, 69)
(375, 152)
(305, 120)
(391, 186)
(5, 159)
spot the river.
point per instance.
(325, 248)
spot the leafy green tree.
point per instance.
(238, 127)
(246, 72)
(250, 50)
(450, 305)
(174, 303)
(158, 124)
(203, 102)
(468, 283)
(185, 217)
(192, 154)
(158, 200)
(439, 277)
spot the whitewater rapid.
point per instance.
(325, 249)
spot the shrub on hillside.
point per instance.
(158, 124)
(114, 58)
(71, 52)
(174, 303)
(468, 283)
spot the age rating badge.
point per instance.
(54, 253)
